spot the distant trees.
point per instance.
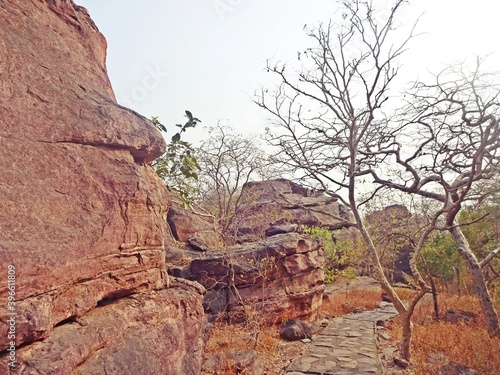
(209, 177)
(227, 161)
(336, 127)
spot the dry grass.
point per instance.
(346, 303)
(467, 344)
(272, 351)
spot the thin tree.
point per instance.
(453, 125)
(331, 126)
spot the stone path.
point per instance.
(347, 346)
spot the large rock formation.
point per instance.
(270, 280)
(275, 272)
(264, 204)
(83, 216)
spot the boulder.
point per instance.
(156, 333)
(185, 223)
(269, 207)
(83, 213)
(272, 279)
(460, 316)
(192, 229)
(294, 330)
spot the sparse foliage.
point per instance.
(227, 161)
(179, 164)
(331, 126)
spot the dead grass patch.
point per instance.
(346, 303)
(465, 343)
(273, 352)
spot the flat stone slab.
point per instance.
(347, 346)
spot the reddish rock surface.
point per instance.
(83, 214)
(269, 280)
(156, 333)
(192, 229)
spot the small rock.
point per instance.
(380, 323)
(294, 330)
(457, 316)
(325, 322)
(280, 229)
(385, 297)
(306, 341)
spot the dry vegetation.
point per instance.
(464, 343)
(273, 352)
(434, 342)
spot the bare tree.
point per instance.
(227, 161)
(331, 126)
(453, 125)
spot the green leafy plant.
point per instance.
(178, 165)
(337, 251)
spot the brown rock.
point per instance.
(184, 223)
(83, 214)
(294, 330)
(155, 333)
(276, 278)
(459, 316)
(269, 207)
(192, 229)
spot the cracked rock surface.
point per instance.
(83, 214)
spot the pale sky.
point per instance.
(208, 56)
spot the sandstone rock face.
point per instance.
(196, 231)
(269, 280)
(83, 214)
(272, 205)
(156, 333)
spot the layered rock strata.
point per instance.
(83, 215)
(269, 281)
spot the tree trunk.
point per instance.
(405, 337)
(433, 289)
(480, 288)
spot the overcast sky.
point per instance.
(208, 56)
